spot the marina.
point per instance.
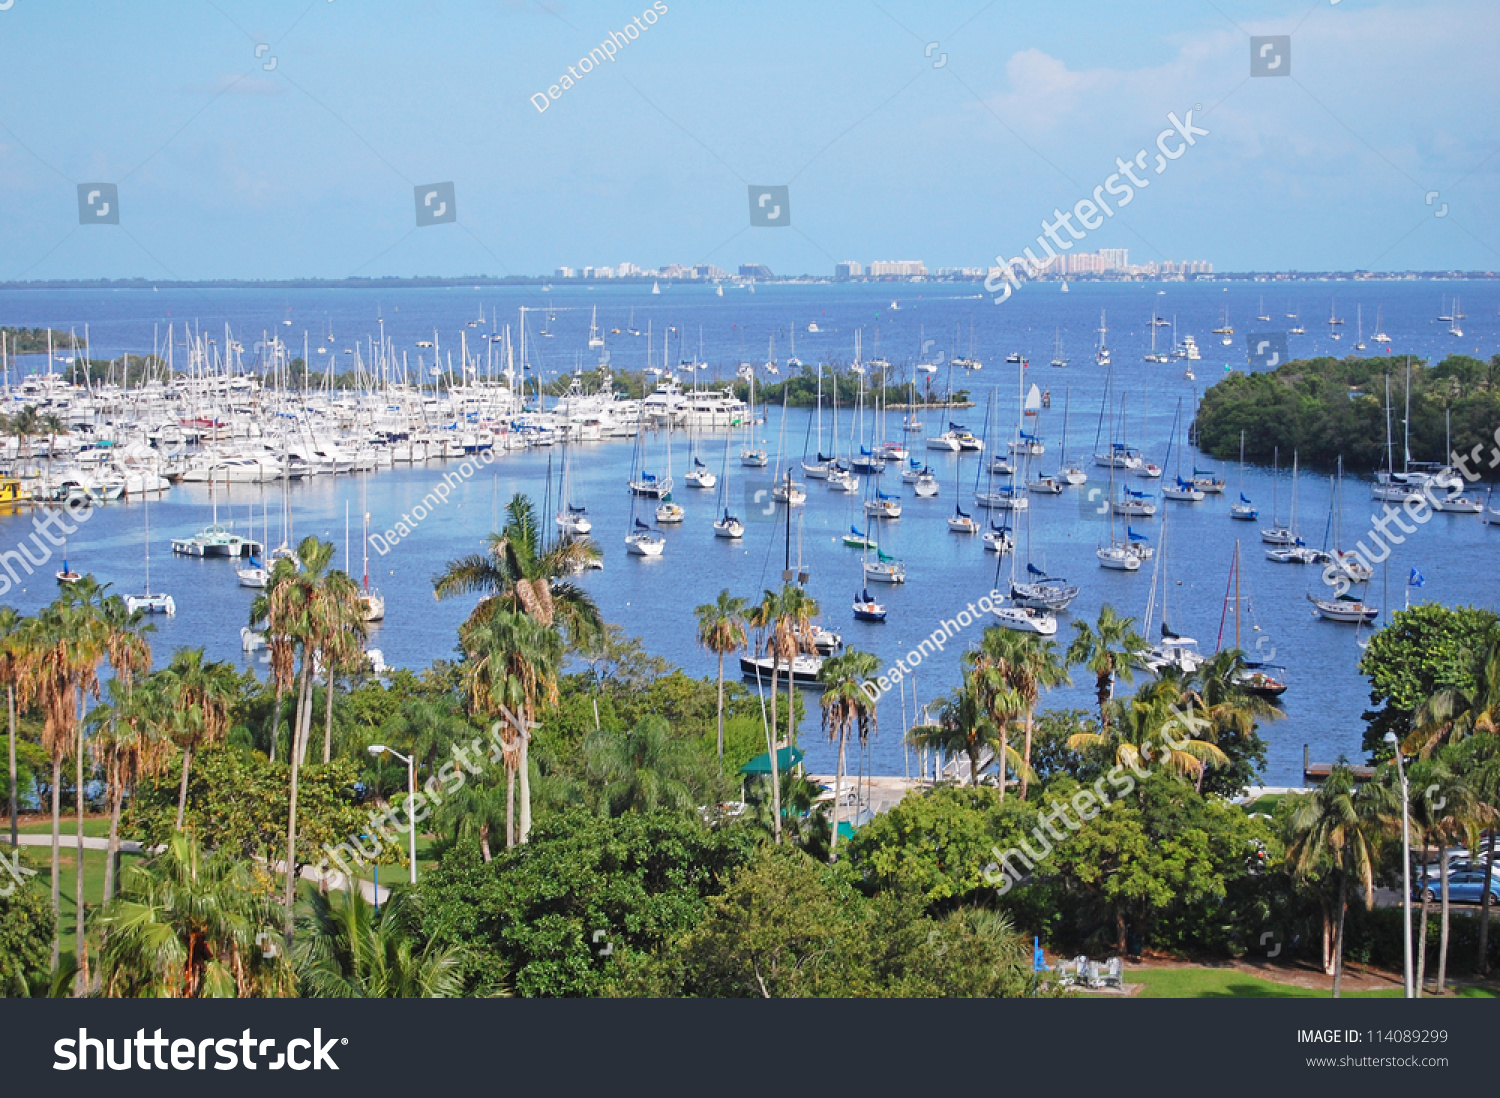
(241, 455)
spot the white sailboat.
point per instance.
(573, 519)
(753, 456)
(596, 338)
(157, 603)
(727, 525)
(1101, 356)
(668, 511)
(371, 601)
(1276, 533)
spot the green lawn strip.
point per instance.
(1227, 983)
(92, 828)
(40, 859)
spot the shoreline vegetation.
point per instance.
(1326, 408)
(33, 341)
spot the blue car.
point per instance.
(1464, 887)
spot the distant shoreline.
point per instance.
(393, 283)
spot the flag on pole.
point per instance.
(1416, 579)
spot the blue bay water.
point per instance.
(654, 599)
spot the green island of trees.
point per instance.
(1326, 408)
(33, 341)
(584, 828)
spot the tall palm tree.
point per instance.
(129, 653)
(1109, 649)
(518, 572)
(347, 950)
(1452, 714)
(641, 769)
(512, 665)
(776, 619)
(129, 741)
(14, 652)
(341, 633)
(192, 925)
(1457, 810)
(846, 709)
(70, 648)
(966, 721)
(1333, 830)
(200, 694)
(473, 812)
(1022, 664)
(721, 630)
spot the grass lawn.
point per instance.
(397, 874)
(1228, 983)
(1266, 804)
(96, 827)
(40, 859)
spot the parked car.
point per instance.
(1465, 887)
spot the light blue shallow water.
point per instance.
(654, 599)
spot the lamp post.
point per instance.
(411, 804)
(1390, 738)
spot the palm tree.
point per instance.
(1452, 714)
(512, 666)
(69, 649)
(192, 925)
(129, 654)
(966, 721)
(348, 951)
(13, 656)
(129, 743)
(1333, 831)
(1022, 664)
(200, 695)
(721, 630)
(642, 769)
(473, 811)
(1139, 731)
(846, 708)
(24, 426)
(1456, 809)
(1109, 649)
(341, 633)
(519, 573)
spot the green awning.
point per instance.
(786, 758)
(846, 830)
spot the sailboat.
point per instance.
(1057, 350)
(728, 526)
(255, 574)
(1351, 567)
(1021, 618)
(926, 483)
(1333, 321)
(719, 291)
(1276, 533)
(1453, 328)
(866, 608)
(960, 522)
(751, 455)
(1263, 315)
(1359, 327)
(1184, 491)
(884, 569)
(151, 604)
(1102, 355)
(656, 287)
(1255, 677)
(1040, 591)
(572, 520)
(596, 338)
(1118, 556)
(818, 470)
(371, 601)
(1244, 510)
(668, 511)
(1174, 649)
(1379, 336)
(1294, 551)
(1455, 502)
(1153, 355)
(1071, 472)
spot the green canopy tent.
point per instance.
(787, 758)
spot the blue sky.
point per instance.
(891, 148)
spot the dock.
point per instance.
(1318, 772)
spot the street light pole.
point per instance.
(411, 803)
(1390, 738)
